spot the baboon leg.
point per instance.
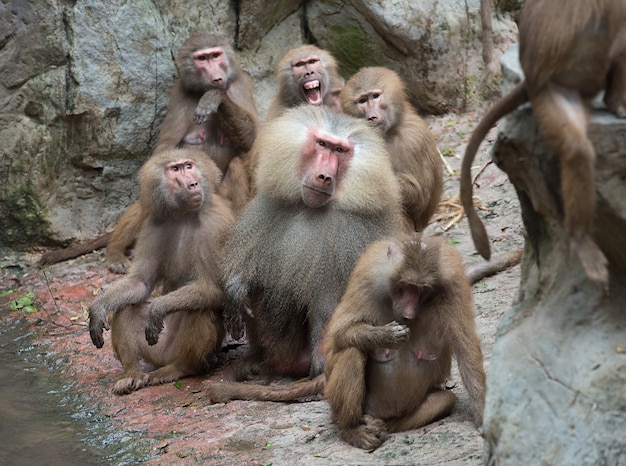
(436, 405)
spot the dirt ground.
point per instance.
(178, 423)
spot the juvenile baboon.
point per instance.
(570, 50)
(378, 95)
(180, 249)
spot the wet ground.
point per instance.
(44, 419)
(174, 423)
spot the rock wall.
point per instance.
(556, 390)
(84, 86)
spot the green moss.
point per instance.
(354, 49)
(22, 222)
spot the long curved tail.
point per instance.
(505, 105)
(221, 392)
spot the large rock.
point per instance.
(83, 91)
(84, 86)
(557, 380)
(258, 17)
(435, 46)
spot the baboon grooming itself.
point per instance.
(406, 311)
(569, 50)
(211, 108)
(326, 190)
(378, 95)
(180, 248)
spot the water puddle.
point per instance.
(43, 422)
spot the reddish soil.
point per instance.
(180, 424)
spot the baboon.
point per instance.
(306, 74)
(212, 108)
(378, 95)
(179, 248)
(569, 50)
(326, 190)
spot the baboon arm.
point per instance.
(197, 295)
(238, 124)
(366, 337)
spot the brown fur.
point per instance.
(288, 263)
(231, 113)
(406, 311)
(227, 115)
(378, 95)
(221, 392)
(569, 51)
(179, 248)
(230, 110)
(377, 315)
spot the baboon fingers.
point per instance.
(152, 331)
(129, 384)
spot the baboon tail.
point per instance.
(221, 392)
(497, 264)
(505, 105)
(60, 255)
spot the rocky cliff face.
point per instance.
(84, 86)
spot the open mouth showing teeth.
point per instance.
(312, 92)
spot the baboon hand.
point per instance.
(154, 323)
(97, 324)
(396, 333)
(207, 105)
